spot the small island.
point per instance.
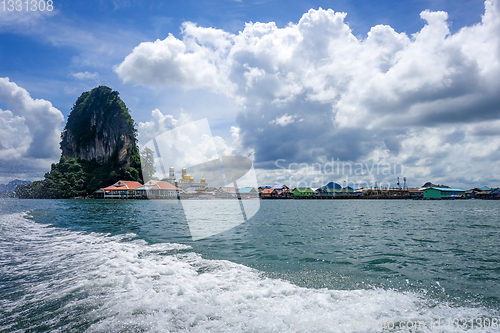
(99, 147)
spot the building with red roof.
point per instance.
(122, 189)
(269, 193)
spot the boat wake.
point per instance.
(54, 279)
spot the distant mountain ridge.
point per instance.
(430, 184)
(8, 189)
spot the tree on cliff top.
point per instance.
(101, 100)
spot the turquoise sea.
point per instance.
(296, 266)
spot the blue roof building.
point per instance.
(247, 190)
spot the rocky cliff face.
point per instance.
(100, 128)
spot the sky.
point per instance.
(352, 91)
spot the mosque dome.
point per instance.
(171, 168)
(186, 177)
(184, 169)
(203, 180)
(191, 179)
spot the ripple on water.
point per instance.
(127, 284)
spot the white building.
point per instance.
(157, 189)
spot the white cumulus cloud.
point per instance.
(421, 100)
(172, 62)
(29, 131)
(39, 117)
(183, 142)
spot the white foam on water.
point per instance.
(105, 283)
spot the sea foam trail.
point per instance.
(54, 279)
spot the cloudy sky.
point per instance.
(311, 91)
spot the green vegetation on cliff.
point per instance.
(98, 148)
(95, 112)
(66, 179)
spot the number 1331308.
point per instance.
(27, 5)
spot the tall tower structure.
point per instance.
(184, 172)
(171, 176)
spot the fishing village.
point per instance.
(187, 188)
(106, 163)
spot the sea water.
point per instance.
(296, 266)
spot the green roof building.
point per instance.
(303, 192)
(442, 193)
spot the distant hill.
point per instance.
(98, 148)
(331, 186)
(429, 184)
(7, 190)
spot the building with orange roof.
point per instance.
(122, 189)
(269, 193)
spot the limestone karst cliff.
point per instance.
(98, 148)
(99, 128)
